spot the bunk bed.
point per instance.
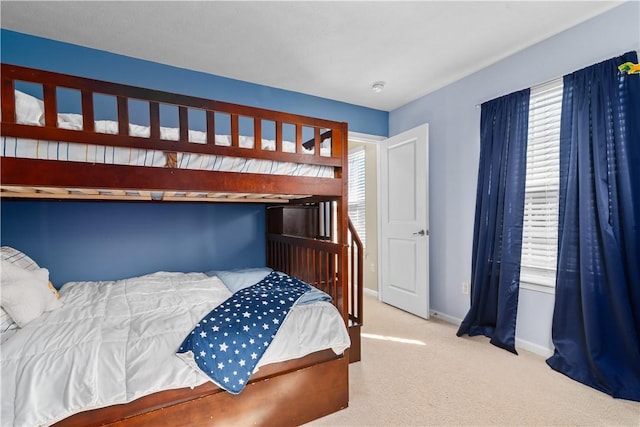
(241, 155)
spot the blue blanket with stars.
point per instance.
(228, 342)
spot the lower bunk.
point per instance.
(105, 353)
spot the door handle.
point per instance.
(421, 233)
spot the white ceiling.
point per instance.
(334, 50)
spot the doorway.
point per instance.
(404, 221)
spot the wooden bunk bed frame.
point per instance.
(288, 393)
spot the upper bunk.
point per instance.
(81, 138)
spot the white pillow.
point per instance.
(29, 110)
(7, 326)
(14, 256)
(20, 259)
(25, 295)
(6, 321)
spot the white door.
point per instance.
(404, 221)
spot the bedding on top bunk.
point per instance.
(115, 341)
(30, 111)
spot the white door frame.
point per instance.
(374, 141)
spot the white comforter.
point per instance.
(113, 342)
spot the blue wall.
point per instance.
(115, 240)
(454, 144)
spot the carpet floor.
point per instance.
(417, 372)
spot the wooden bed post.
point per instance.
(343, 226)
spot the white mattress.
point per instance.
(113, 342)
(58, 150)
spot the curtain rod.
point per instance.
(546, 82)
(539, 85)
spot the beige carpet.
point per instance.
(417, 372)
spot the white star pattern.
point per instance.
(237, 339)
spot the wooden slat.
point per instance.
(8, 101)
(123, 116)
(298, 138)
(25, 192)
(154, 120)
(50, 105)
(88, 120)
(221, 199)
(278, 136)
(183, 118)
(318, 142)
(235, 131)
(47, 173)
(257, 133)
(211, 128)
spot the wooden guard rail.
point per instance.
(316, 262)
(356, 275)
(356, 285)
(217, 117)
(123, 94)
(313, 261)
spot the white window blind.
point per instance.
(357, 191)
(540, 227)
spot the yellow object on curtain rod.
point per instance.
(629, 68)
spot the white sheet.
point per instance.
(57, 150)
(113, 342)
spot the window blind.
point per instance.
(357, 191)
(540, 226)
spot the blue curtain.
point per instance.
(497, 237)
(596, 321)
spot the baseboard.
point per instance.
(533, 348)
(520, 343)
(370, 292)
(445, 317)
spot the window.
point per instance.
(540, 227)
(357, 191)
